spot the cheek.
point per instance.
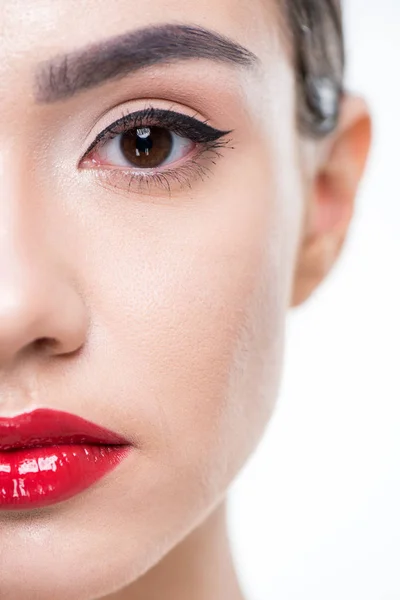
(190, 304)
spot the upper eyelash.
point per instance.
(184, 125)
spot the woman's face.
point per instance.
(166, 292)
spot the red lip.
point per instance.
(47, 456)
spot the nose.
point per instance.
(41, 310)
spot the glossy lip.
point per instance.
(48, 456)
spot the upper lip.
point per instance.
(45, 427)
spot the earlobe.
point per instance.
(332, 202)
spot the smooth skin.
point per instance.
(167, 310)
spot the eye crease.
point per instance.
(144, 147)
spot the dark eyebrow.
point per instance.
(63, 76)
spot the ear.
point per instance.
(333, 191)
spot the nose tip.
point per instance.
(37, 314)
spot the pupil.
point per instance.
(146, 147)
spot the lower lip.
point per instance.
(38, 477)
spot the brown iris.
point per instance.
(146, 147)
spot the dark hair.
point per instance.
(316, 30)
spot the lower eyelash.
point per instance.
(185, 175)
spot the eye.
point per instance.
(156, 147)
(144, 148)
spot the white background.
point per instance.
(315, 513)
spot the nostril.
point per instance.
(48, 346)
(45, 343)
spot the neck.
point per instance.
(199, 568)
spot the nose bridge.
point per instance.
(38, 300)
(15, 210)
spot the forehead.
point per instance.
(35, 31)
